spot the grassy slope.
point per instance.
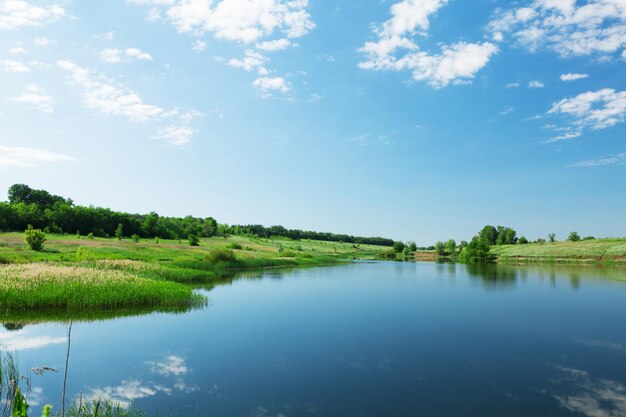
(597, 250)
(106, 273)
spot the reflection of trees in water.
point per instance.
(493, 276)
(13, 326)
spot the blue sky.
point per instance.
(412, 119)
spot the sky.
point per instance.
(417, 120)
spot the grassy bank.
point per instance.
(77, 273)
(608, 251)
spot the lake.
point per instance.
(365, 339)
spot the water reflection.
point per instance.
(592, 397)
(23, 339)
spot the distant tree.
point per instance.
(462, 245)
(119, 232)
(589, 238)
(489, 234)
(412, 246)
(506, 236)
(90, 236)
(522, 240)
(193, 240)
(451, 247)
(398, 246)
(34, 238)
(551, 237)
(477, 251)
(540, 241)
(440, 248)
(135, 237)
(573, 237)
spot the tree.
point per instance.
(489, 234)
(34, 238)
(398, 246)
(573, 237)
(193, 240)
(451, 247)
(522, 240)
(412, 246)
(506, 236)
(119, 232)
(440, 248)
(477, 251)
(135, 238)
(551, 237)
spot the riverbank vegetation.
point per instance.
(501, 244)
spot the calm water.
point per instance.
(370, 339)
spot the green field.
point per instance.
(593, 250)
(74, 274)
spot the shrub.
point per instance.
(135, 237)
(235, 246)
(589, 238)
(221, 255)
(193, 240)
(84, 254)
(476, 252)
(156, 239)
(34, 238)
(522, 240)
(90, 236)
(551, 238)
(119, 232)
(573, 237)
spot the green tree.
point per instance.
(398, 246)
(451, 247)
(489, 234)
(440, 248)
(34, 238)
(551, 237)
(573, 237)
(412, 246)
(135, 237)
(522, 240)
(477, 251)
(193, 240)
(119, 232)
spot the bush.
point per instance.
(90, 236)
(221, 255)
(34, 238)
(193, 240)
(135, 237)
(235, 246)
(476, 252)
(119, 232)
(573, 237)
(589, 238)
(522, 240)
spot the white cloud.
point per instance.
(512, 85)
(14, 66)
(44, 41)
(35, 97)
(125, 393)
(114, 56)
(619, 159)
(266, 85)
(572, 77)
(15, 14)
(536, 84)
(138, 54)
(17, 51)
(275, 45)
(506, 111)
(250, 62)
(397, 50)
(594, 109)
(109, 97)
(11, 156)
(111, 55)
(176, 135)
(564, 26)
(199, 45)
(170, 365)
(245, 21)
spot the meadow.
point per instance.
(74, 273)
(608, 251)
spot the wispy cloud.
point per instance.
(170, 365)
(396, 48)
(35, 97)
(573, 77)
(619, 159)
(567, 27)
(176, 135)
(22, 339)
(536, 84)
(594, 109)
(16, 14)
(14, 66)
(267, 85)
(114, 55)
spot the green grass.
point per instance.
(587, 251)
(78, 274)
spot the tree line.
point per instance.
(55, 214)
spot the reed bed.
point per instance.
(47, 285)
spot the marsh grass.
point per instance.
(48, 285)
